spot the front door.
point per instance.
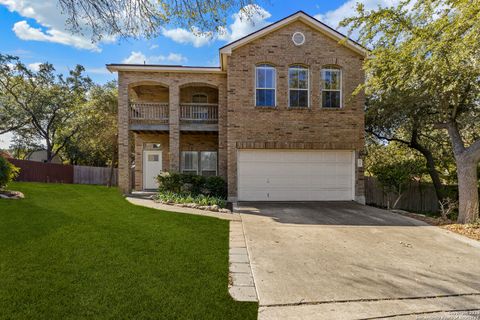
(152, 166)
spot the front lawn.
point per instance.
(77, 252)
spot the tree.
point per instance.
(10, 119)
(48, 104)
(96, 144)
(400, 117)
(394, 166)
(431, 48)
(135, 18)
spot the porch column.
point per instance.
(222, 130)
(124, 158)
(174, 126)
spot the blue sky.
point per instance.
(35, 31)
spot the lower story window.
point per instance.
(190, 162)
(208, 163)
(199, 162)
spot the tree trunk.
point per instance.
(49, 152)
(432, 171)
(466, 160)
(467, 191)
(399, 196)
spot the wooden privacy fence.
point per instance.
(418, 197)
(94, 175)
(33, 171)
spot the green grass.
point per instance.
(78, 252)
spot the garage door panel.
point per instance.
(289, 175)
(332, 183)
(331, 195)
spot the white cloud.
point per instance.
(241, 26)
(333, 17)
(184, 36)
(137, 57)
(153, 46)
(25, 32)
(35, 66)
(53, 27)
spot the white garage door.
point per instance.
(274, 175)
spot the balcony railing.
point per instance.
(157, 112)
(199, 112)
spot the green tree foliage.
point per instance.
(394, 166)
(47, 105)
(96, 144)
(137, 18)
(427, 53)
(8, 172)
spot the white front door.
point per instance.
(152, 166)
(293, 175)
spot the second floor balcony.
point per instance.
(149, 112)
(150, 108)
(199, 112)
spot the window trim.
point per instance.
(269, 66)
(299, 67)
(322, 89)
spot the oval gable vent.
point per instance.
(298, 38)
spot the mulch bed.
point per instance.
(468, 230)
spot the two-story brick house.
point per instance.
(277, 119)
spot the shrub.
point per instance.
(8, 172)
(195, 185)
(169, 182)
(201, 199)
(216, 186)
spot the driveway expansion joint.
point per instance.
(367, 300)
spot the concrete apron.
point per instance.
(333, 271)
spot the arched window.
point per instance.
(298, 87)
(331, 87)
(265, 85)
(200, 98)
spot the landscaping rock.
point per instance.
(223, 210)
(11, 195)
(215, 208)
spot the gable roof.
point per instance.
(297, 16)
(227, 49)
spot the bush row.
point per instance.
(192, 184)
(202, 200)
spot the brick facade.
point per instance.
(241, 125)
(176, 83)
(286, 128)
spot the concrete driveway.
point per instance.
(342, 260)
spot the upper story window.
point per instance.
(331, 88)
(199, 98)
(265, 85)
(298, 87)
